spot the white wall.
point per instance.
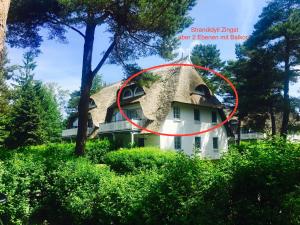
(186, 124)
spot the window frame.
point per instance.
(177, 143)
(212, 117)
(127, 97)
(195, 140)
(198, 120)
(141, 92)
(176, 112)
(215, 148)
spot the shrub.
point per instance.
(136, 159)
(23, 181)
(187, 191)
(72, 193)
(96, 149)
(263, 174)
(122, 198)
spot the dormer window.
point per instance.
(92, 104)
(202, 90)
(127, 93)
(138, 91)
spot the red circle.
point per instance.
(187, 134)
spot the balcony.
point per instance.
(248, 136)
(73, 132)
(120, 126)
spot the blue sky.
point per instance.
(61, 63)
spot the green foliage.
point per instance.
(35, 117)
(136, 159)
(208, 56)
(26, 123)
(73, 191)
(263, 174)
(96, 150)
(255, 183)
(23, 181)
(6, 73)
(278, 30)
(141, 28)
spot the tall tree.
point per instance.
(259, 84)
(279, 29)
(34, 116)
(51, 118)
(25, 124)
(208, 56)
(72, 105)
(4, 6)
(137, 27)
(6, 73)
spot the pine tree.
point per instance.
(26, 118)
(51, 119)
(5, 74)
(278, 29)
(208, 56)
(35, 116)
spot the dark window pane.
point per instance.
(197, 142)
(141, 142)
(215, 143)
(176, 112)
(177, 143)
(197, 114)
(213, 117)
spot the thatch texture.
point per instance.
(176, 84)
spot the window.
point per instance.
(213, 117)
(92, 104)
(133, 114)
(117, 117)
(215, 143)
(202, 90)
(197, 114)
(176, 112)
(127, 93)
(138, 91)
(198, 142)
(141, 142)
(177, 143)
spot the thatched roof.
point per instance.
(176, 84)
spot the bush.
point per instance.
(121, 199)
(255, 183)
(73, 190)
(96, 149)
(263, 174)
(136, 159)
(23, 181)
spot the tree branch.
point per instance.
(56, 21)
(105, 56)
(144, 43)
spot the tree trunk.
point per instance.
(238, 141)
(273, 121)
(4, 6)
(286, 107)
(86, 83)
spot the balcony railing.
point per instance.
(120, 126)
(73, 132)
(249, 136)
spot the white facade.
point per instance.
(183, 125)
(187, 124)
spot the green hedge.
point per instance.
(255, 183)
(136, 159)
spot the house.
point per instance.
(179, 101)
